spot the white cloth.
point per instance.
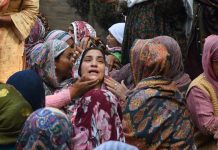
(117, 30)
(131, 3)
(115, 145)
(189, 10)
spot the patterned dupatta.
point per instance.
(43, 61)
(82, 29)
(154, 116)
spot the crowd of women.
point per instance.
(77, 92)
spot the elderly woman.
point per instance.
(114, 45)
(154, 114)
(14, 110)
(96, 114)
(46, 128)
(202, 97)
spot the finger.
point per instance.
(110, 67)
(110, 82)
(85, 43)
(91, 84)
(112, 90)
(123, 84)
(81, 43)
(79, 49)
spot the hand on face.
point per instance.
(76, 53)
(119, 89)
(82, 85)
(85, 43)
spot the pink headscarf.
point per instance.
(82, 29)
(210, 53)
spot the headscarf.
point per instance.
(117, 30)
(46, 128)
(82, 29)
(115, 145)
(58, 34)
(176, 70)
(149, 58)
(154, 112)
(210, 53)
(30, 85)
(14, 110)
(36, 36)
(43, 61)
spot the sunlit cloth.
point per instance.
(30, 85)
(14, 110)
(23, 14)
(82, 29)
(43, 62)
(46, 128)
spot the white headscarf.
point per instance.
(115, 145)
(117, 30)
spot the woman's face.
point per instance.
(215, 68)
(70, 42)
(64, 64)
(93, 65)
(111, 41)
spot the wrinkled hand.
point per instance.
(77, 52)
(111, 59)
(119, 89)
(82, 85)
(85, 43)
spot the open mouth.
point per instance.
(93, 72)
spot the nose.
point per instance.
(94, 63)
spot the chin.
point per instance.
(93, 77)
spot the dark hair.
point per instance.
(84, 53)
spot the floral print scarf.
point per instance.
(82, 29)
(96, 118)
(46, 128)
(154, 116)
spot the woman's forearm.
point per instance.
(6, 21)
